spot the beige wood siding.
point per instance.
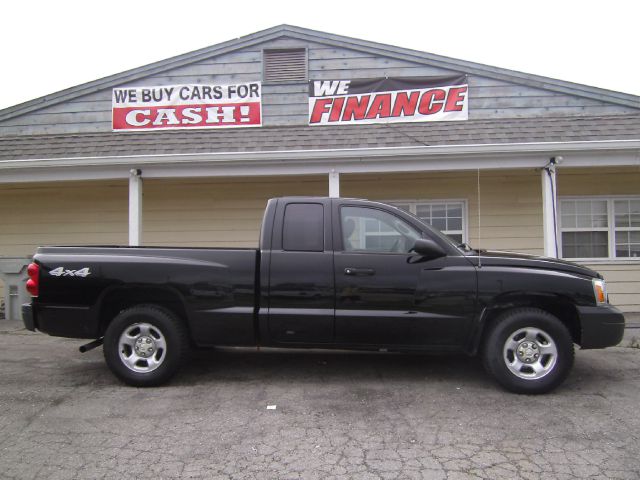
(623, 283)
(510, 201)
(62, 213)
(622, 275)
(215, 212)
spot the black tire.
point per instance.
(145, 345)
(528, 350)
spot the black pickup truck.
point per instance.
(330, 273)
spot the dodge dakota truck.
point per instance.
(332, 273)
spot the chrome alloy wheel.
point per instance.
(530, 353)
(142, 347)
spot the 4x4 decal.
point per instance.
(63, 272)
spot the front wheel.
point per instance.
(145, 345)
(528, 351)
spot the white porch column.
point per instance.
(334, 184)
(135, 207)
(550, 209)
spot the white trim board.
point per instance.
(304, 162)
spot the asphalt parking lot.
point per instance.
(355, 416)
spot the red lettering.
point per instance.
(455, 97)
(336, 109)
(405, 104)
(319, 107)
(432, 101)
(356, 108)
(380, 106)
(187, 116)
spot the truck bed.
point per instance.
(216, 288)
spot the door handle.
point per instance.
(359, 271)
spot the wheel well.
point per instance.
(562, 309)
(120, 299)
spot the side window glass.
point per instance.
(303, 228)
(369, 229)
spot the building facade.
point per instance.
(530, 164)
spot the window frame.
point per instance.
(610, 229)
(439, 201)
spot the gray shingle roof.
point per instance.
(471, 132)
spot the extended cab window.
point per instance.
(374, 230)
(303, 229)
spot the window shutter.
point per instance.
(288, 65)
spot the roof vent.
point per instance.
(286, 65)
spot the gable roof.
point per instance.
(305, 34)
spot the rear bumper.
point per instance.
(602, 326)
(27, 317)
(60, 321)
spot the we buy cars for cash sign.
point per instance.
(187, 106)
(388, 100)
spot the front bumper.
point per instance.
(601, 326)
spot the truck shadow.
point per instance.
(315, 366)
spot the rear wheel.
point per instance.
(528, 351)
(145, 345)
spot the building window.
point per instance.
(285, 65)
(597, 227)
(448, 216)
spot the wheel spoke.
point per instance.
(516, 365)
(532, 334)
(145, 329)
(511, 344)
(131, 360)
(537, 368)
(127, 340)
(548, 349)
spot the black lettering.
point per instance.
(146, 95)
(217, 93)
(121, 95)
(243, 91)
(206, 92)
(195, 93)
(184, 93)
(254, 90)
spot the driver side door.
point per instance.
(387, 296)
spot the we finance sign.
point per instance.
(388, 100)
(187, 106)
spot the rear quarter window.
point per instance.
(303, 227)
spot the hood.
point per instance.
(520, 260)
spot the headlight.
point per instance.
(600, 291)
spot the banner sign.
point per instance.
(388, 100)
(187, 106)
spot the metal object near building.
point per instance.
(13, 273)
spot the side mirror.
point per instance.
(428, 249)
